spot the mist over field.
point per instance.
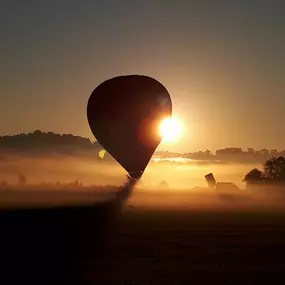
(175, 183)
(60, 179)
(178, 174)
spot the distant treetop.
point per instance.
(44, 140)
(273, 173)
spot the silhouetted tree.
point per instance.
(45, 141)
(274, 172)
(274, 169)
(253, 177)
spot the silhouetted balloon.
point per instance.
(124, 114)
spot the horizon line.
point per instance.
(93, 140)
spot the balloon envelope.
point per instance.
(124, 114)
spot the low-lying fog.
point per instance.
(177, 174)
(94, 179)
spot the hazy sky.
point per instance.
(223, 63)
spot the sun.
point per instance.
(170, 129)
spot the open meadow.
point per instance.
(163, 237)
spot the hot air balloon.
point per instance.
(124, 114)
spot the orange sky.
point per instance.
(222, 63)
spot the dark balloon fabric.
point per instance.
(124, 114)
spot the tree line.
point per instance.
(273, 173)
(44, 140)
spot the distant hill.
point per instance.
(47, 142)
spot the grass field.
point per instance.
(150, 247)
(96, 244)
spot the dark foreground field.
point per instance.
(196, 248)
(97, 245)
